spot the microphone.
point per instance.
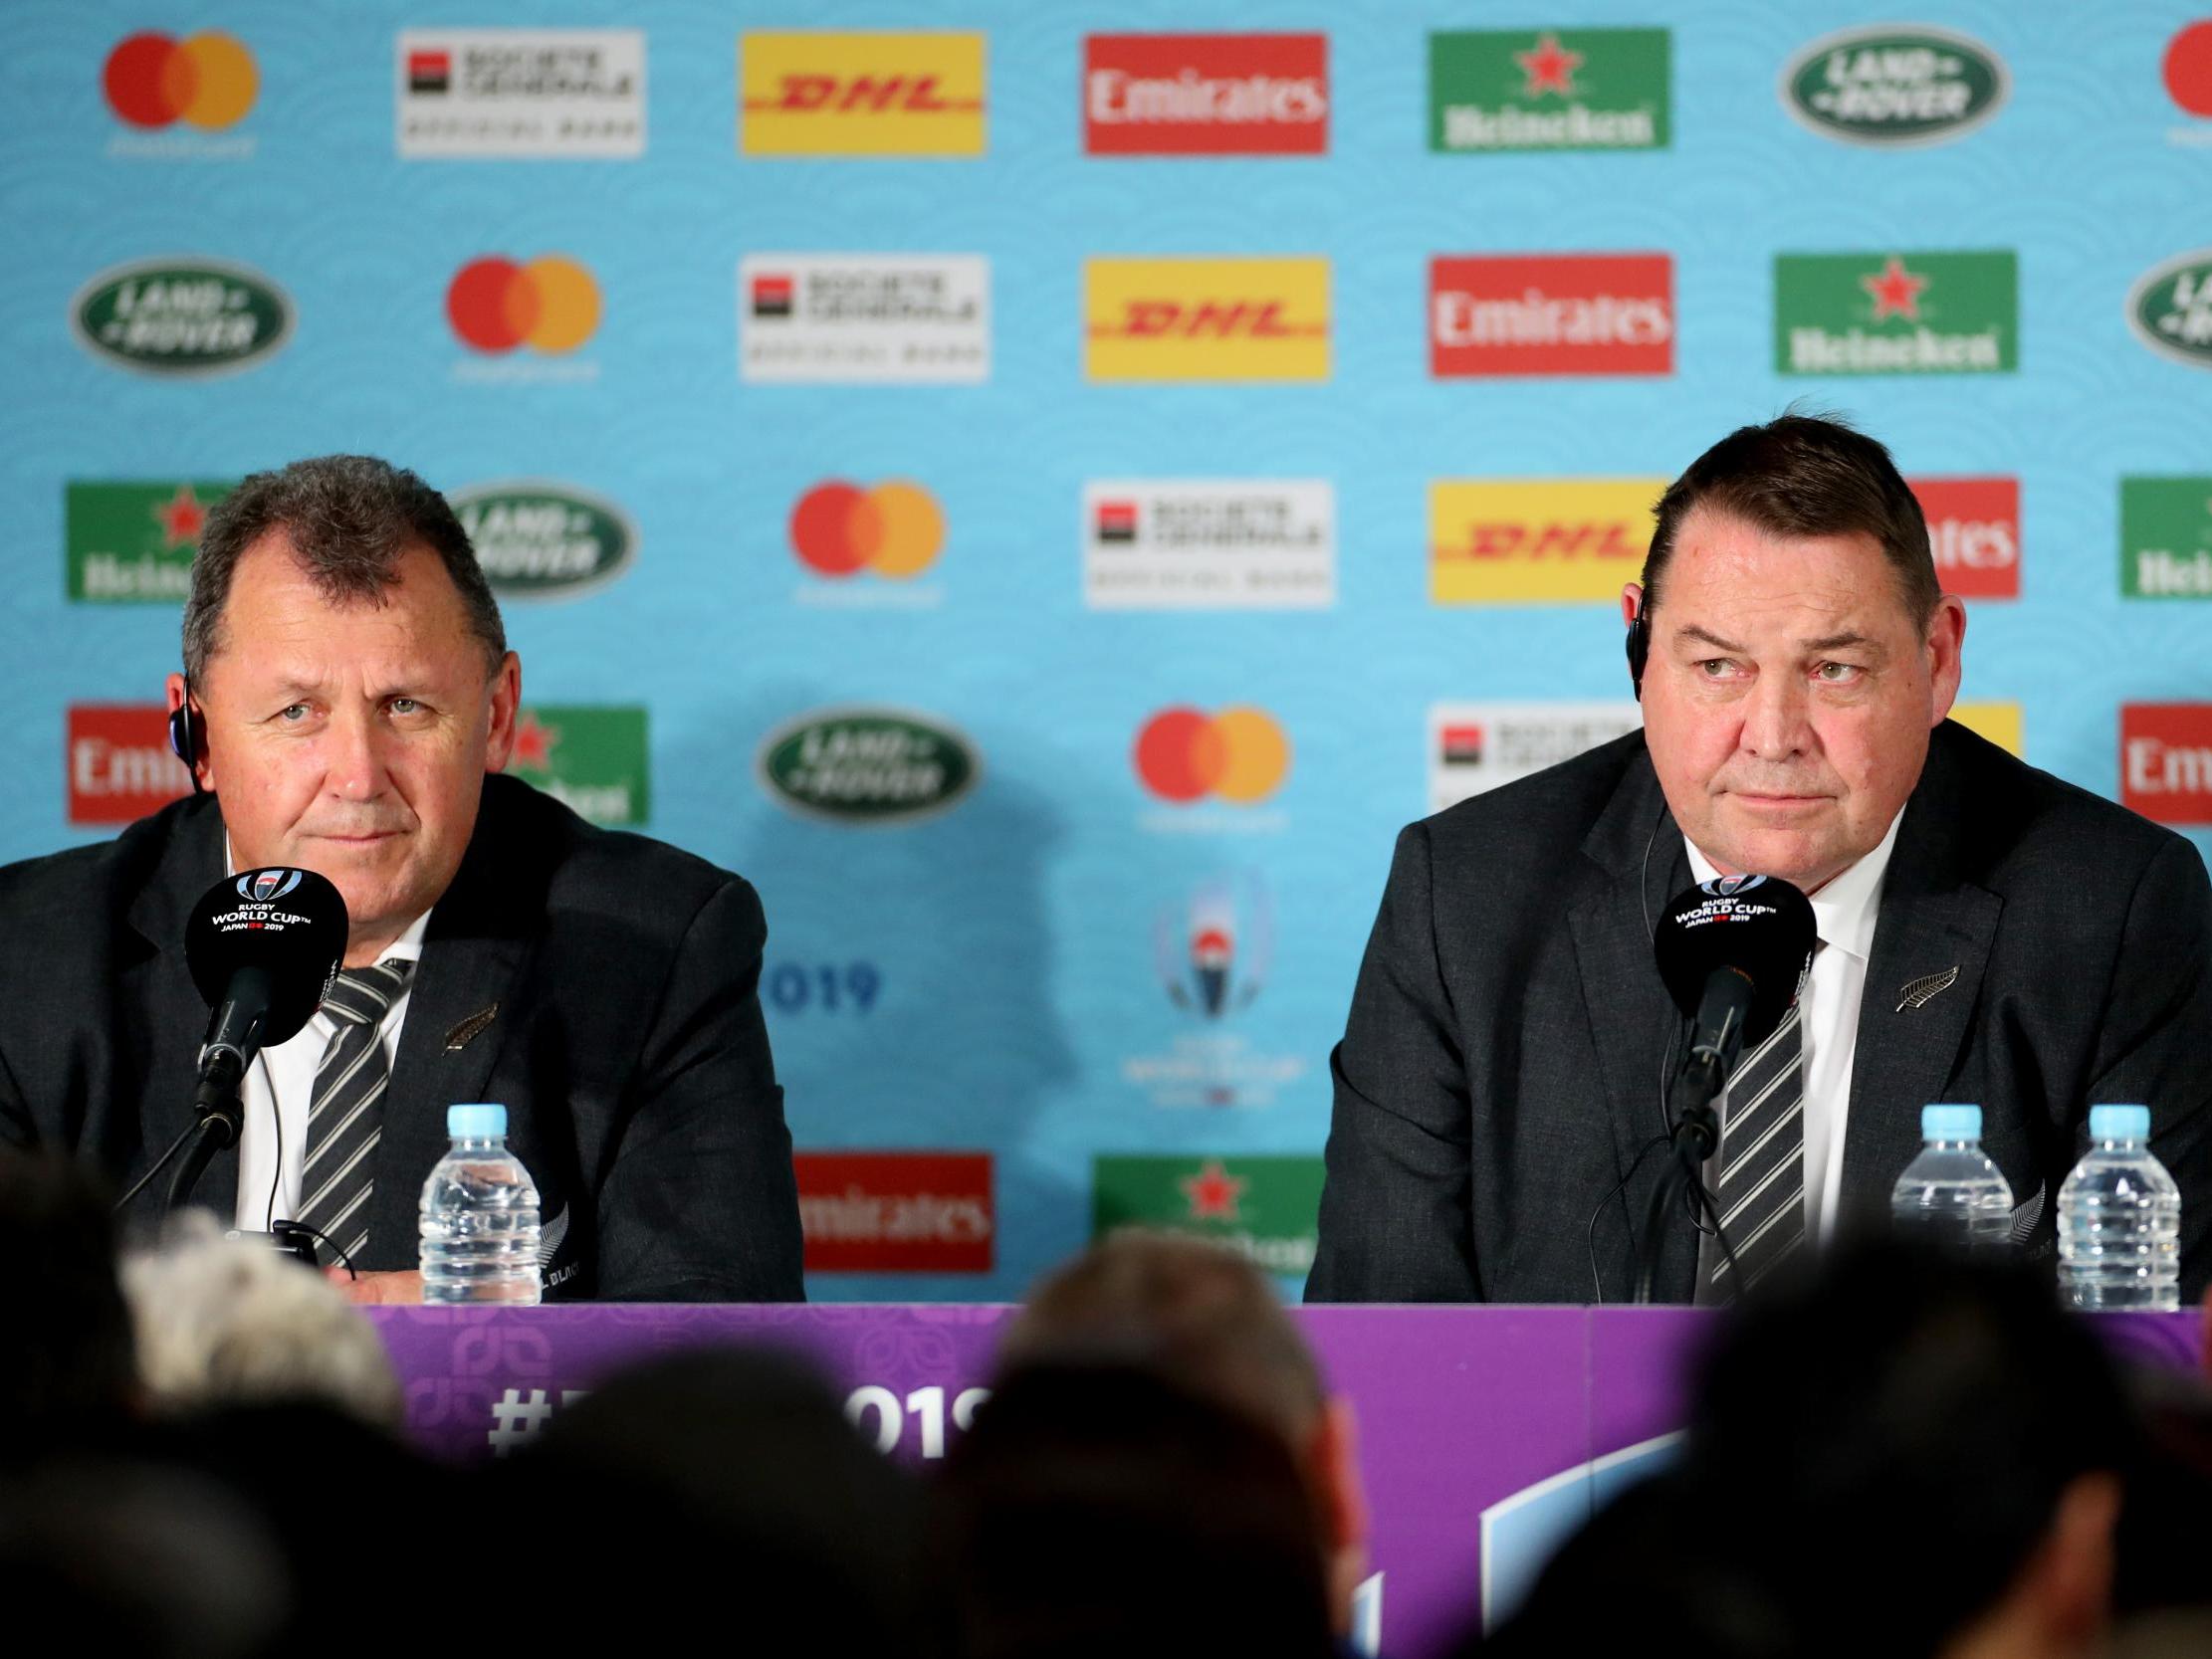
(1732, 953)
(262, 948)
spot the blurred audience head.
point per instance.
(65, 1364)
(224, 1322)
(1102, 1510)
(1207, 1320)
(732, 1475)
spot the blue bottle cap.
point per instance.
(2119, 1122)
(476, 1123)
(1950, 1123)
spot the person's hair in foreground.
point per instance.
(1905, 1454)
(67, 1363)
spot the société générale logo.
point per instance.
(1205, 94)
(1538, 541)
(1219, 319)
(540, 94)
(593, 758)
(2165, 537)
(1895, 313)
(1494, 91)
(1208, 544)
(867, 765)
(1476, 747)
(536, 538)
(823, 94)
(181, 318)
(1551, 313)
(1891, 86)
(2170, 309)
(133, 541)
(864, 319)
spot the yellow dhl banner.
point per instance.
(1205, 319)
(1998, 722)
(814, 92)
(1543, 541)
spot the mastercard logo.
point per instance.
(1238, 755)
(551, 304)
(208, 80)
(895, 530)
(2188, 68)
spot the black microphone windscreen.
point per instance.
(1758, 926)
(291, 924)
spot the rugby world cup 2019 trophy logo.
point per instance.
(1214, 953)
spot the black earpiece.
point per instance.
(1640, 649)
(184, 736)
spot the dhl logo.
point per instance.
(811, 93)
(1207, 318)
(1548, 542)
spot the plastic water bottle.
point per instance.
(1952, 1195)
(479, 1216)
(2119, 1219)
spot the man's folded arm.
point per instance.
(700, 1203)
(2155, 1048)
(1396, 1222)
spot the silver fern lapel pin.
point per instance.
(458, 1038)
(1918, 993)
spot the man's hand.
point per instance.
(376, 1287)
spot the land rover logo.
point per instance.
(181, 316)
(1896, 84)
(535, 539)
(2170, 309)
(867, 765)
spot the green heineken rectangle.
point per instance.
(1500, 91)
(131, 542)
(2165, 537)
(1890, 313)
(592, 758)
(1267, 1209)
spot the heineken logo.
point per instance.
(181, 316)
(1895, 85)
(1505, 90)
(536, 538)
(867, 765)
(134, 543)
(2165, 537)
(1265, 1208)
(593, 759)
(2170, 309)
(1892, 312)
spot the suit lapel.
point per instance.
(1932, 920)
(1631, 1019)
(473, 952)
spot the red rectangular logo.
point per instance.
(896, 1212)
(1551, 313)
(1205, 94)
(2165, 761)
(1974, 529)
(119, 764)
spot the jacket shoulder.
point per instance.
(2020, 820)
(90, 886)
(1545, 814)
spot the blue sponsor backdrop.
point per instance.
(1012, 941)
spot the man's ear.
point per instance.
(199, 759)
(1632, 605)
(507, 699)
(1945, 642)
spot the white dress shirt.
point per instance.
(1843, 914)
(279, 1089)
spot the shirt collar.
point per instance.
(408, 944)
(1845, 910)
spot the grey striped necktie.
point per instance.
(346, 1117)
(1758, 1176)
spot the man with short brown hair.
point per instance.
(1987, 933)
(348, 704)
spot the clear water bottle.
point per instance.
(2119, 1219)
(1952, 1195)
(479, 1216)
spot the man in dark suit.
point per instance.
(347, 696)
(1988, 934)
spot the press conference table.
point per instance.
(1486, 1433)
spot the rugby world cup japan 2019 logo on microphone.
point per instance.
(867, 766)
(261, 886)
(181, 318)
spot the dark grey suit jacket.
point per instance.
(627, 1043)
(1506, 1058)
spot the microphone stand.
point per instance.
(1694, 1138)
(218, 1115)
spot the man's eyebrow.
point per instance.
(1838, 642)
(1703, 637)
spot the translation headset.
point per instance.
(1640, 648)
(185, 736)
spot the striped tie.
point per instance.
(347, 1116)
(1759, 1189)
